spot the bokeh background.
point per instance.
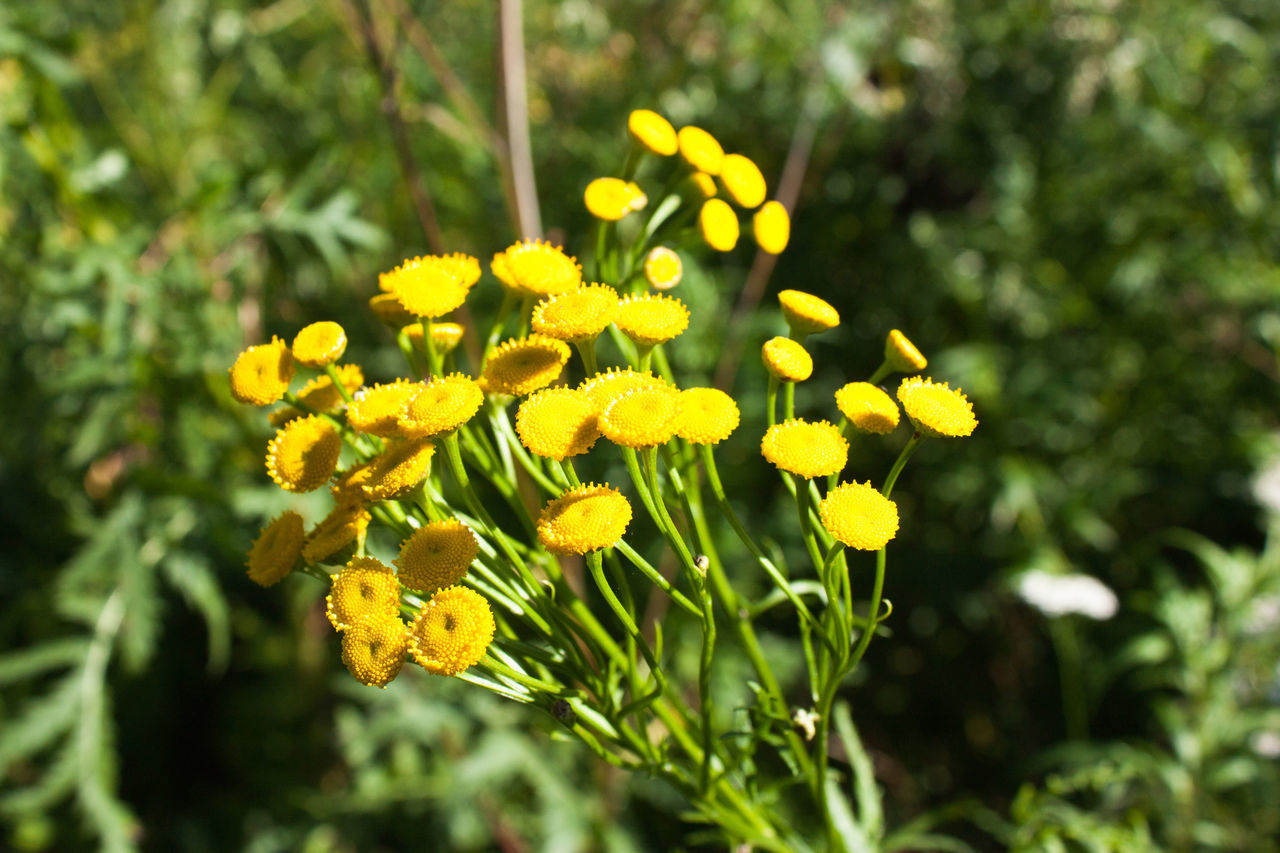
(1069, 205)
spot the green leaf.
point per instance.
(40, 722)
(20, 665)
(191, 575)
(866, 792)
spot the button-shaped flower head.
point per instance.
(806, 449)
(936, 410)
(786, 359)
(452, 631)
(558, 423)
(319, 344)
(584, 519)
(859, 516)
(261, 374)
(868, 408)
(653, 132)
(373, 649)
(578, 315)
(522, 366)
(436, 555)
(275, 552)
(304, 453)
(364, 587)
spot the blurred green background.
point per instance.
(1069, 205)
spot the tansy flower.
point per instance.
(653, 132)
(707, 416)
(364, 587)
(319, 344)
(700, 149)
(662, 268)
(651, 318)
(771, 226)
(742, 180)
(522, 366)
(578, 315)
(398, 469)
(604, 388)
(868, 408)
(935, 409)
(442, 404)
(261, 374)
(902, 355)
(275, 551)
(373, 649)
(452, 631)
(389, 310)
(859, 516)
(436, 555)
(584, 519)
(428, 286)
(303, 454)
(611, 199)
(806, 314)
(338, 530)
(533, 266)
(558, 423)
(444, 336)
(376, 409)
(460, 268)
(643, 418)
(786, 359)
(321, 395)
(719, 225)
(348, 488)
(699, 185)
(806, 449)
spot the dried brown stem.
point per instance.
(514, 117)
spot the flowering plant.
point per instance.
(467, 535)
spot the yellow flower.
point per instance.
(742, 180)
(398, 469)
(321, 395)
(275, 551)
(303, 454)
(662, 268)
(806, 314)
(700, 149)
(558, 423)
(806, 449)
(867, 407)
(436, 555)
(376, 409)
(364, 587)
(653, 132)
(787, 359)
(902, 355)
(719, 225)
(578, 315)
(584, 519)
(643, 418)
(348, 487)
(771, 226)
(339, 529)
(373, 649)
(707, 416)
(611, 199)
(604, 388)
(430, 286)
(522, 366)
(533, 266)
(442, 404)
(261, 374)
(700, 185)
(319, 344)
(859, 516)
(936, 410)
(651, 318)
(444, 336)
(452, 631)
(389, 310)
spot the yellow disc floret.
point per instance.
(261, 374)
(771, 226)
(430, 286)
(936, 410)
(902, 355)
(707, 416)
(442, 404)
(578, 315)
(364, 587)
(868, 408)
(700, 149)
(653, 132)
(612, 199)
(651, 318)
(786, 359)
(719, 225)
(584, 519)
(806, 449)
(643, 418)
(321, 395)
(304, 454)
(807, 314)
(319, 344)
(376, 409)
(859, 516)
(337, 531)
(373, 649)
(742, 180)
(398, 469)
(389, 310)
(436, 555)
(522, 366)
(452, 631)
(604, 388)
(275, 551)
(558, 423)
(542, 269)
(662, 268)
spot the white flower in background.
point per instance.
(1266, 486)
(1059, 594)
